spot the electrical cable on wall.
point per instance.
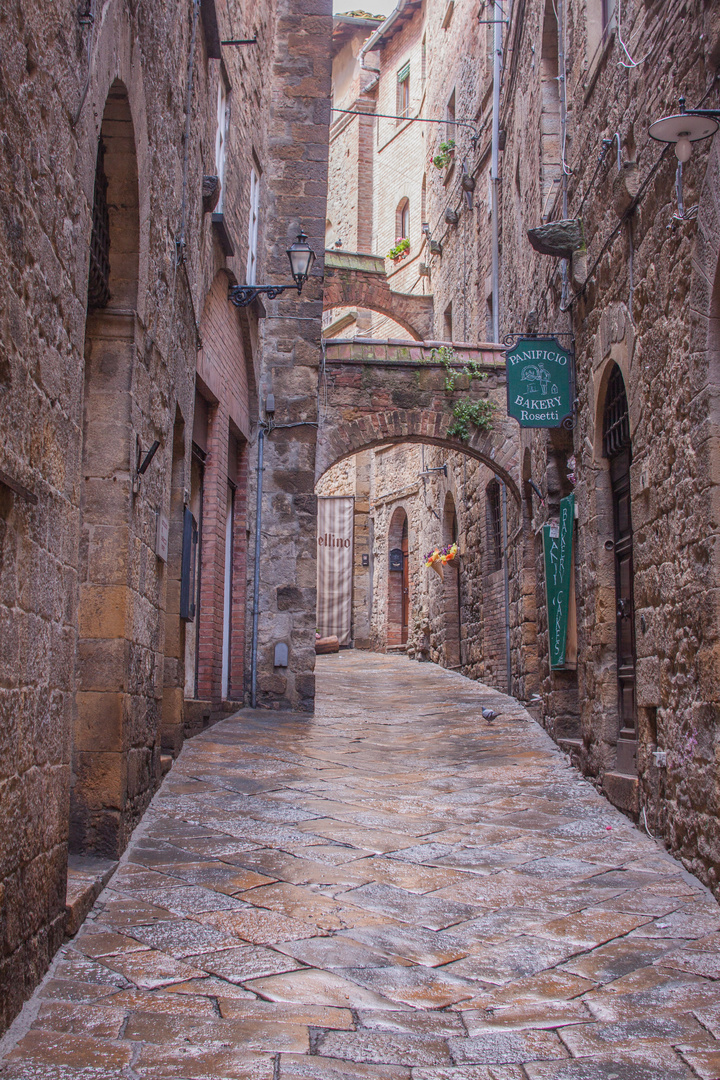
(632, 63)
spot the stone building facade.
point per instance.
(640, 301)
(147, 167)
(581, 84)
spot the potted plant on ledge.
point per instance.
(445, 156)
(399, 252)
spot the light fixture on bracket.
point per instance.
(685, 128)
(301, 257)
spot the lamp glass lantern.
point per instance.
(301, 257)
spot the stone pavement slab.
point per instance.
(391, 890)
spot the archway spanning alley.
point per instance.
(410, 498)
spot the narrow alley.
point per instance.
(393, 888)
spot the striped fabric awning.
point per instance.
(335, 567)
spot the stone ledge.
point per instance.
(622, 791)
(87, 876)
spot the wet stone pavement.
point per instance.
(393, 890)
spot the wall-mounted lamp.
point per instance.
(143, 462)
(301, 257)
(143, 467)
(685, 128)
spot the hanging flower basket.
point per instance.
(433, 561)
(439, 558)
(450, 556)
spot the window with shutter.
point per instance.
(253, 220)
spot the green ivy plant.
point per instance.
(479, 413)
(446, 154)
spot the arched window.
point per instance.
(402, 219)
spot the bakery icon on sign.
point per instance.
(538, 379)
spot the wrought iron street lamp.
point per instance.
(685, 128)
(301, 257)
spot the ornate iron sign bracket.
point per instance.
(243, 295)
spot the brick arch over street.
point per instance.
(359, 281)
(383, 393)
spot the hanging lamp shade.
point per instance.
(683, 129)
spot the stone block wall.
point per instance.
(93, 656)
(299, 118)
(645, 302)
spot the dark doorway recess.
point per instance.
(617, 448)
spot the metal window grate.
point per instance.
(616, 422)
(99, 275)
(494, 526)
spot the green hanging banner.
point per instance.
(557, 545)
(540, 383)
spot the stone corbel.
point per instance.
(625, 187)
(210, 193)
(559, 238)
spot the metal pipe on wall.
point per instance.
(495, 168)
(256, 582)
(506, 582)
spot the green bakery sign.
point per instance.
(540, 383)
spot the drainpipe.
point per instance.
(180, 241)
(506, 577)
(562, 86)
(256, 583)
(495, 167)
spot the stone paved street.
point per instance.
(394, 889)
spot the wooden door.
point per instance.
(624, 612)
(617, 447)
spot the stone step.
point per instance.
(573, 747)
(87, 876)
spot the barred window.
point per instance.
(493, 517)
(99, 273)
(616, 421)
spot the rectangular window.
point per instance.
(221, 135)
(253, 217)
(403, 91)
(448, 322)
(450, 118)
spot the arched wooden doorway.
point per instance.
(451, 588)
(398, 580)
(618, 450)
